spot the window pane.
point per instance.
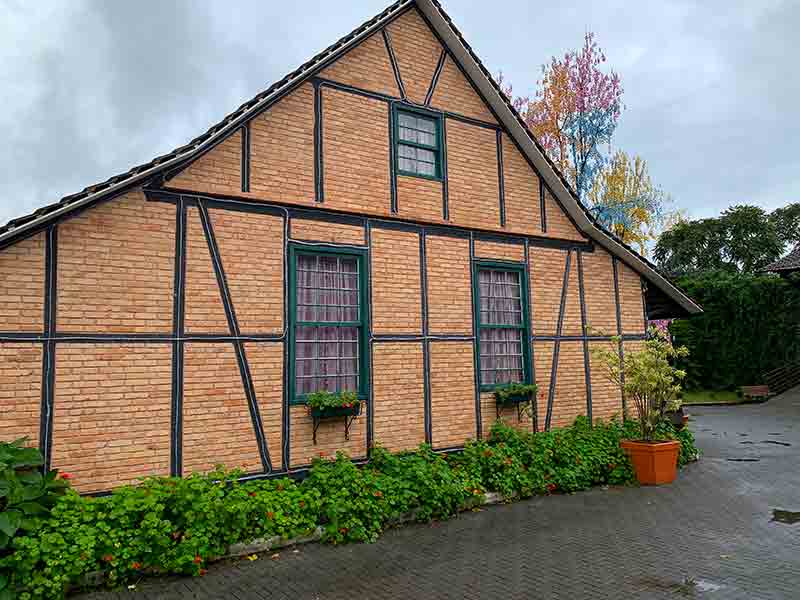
(326, 358)
(500, 297)
(417, 129)
(501, 358)
(327, 288)
(417, 160)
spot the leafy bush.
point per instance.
(748, 327)
(173, 525)
(324, 399)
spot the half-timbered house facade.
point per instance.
(380, 220)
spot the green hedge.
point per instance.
(749, 327)
(172, 525)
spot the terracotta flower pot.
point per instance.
(653, 462)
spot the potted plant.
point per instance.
(324, 404)
(652, 384)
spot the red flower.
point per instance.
(379, 494)
(551, 487)
(251, 494)
(108, 558)
(197, 559)
(302, 503)
(66, 476)
(612, 467)
(202, 572)
(270, 515)
(136, 566)
(343, 530)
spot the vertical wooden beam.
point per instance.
(445, 182)
(371, 350)
(614, 262)
(475, 334)
(319, 176)
(178, 311)
(426, 346)
(587, 368)
(246, 157)
(542, 206)
(49, 345)
(500, 178)
(392, 160)
(529, 341)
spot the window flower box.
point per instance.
(330, 405)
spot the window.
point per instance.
(503, 331)
(418, 144)
(328, 323)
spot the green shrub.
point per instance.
(173, 525)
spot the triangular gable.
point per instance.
(433, 15)
(417, 52)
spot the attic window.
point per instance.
(418, 138)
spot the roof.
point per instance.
(463, 53)
(790, 262)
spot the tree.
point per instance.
(743, 238)
(575, 110)
(787, 223)
(627, 202)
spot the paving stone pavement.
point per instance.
(708, 535)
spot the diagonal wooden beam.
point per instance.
(557, 347)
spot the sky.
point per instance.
(91, 87)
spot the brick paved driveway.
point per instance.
(712, 527)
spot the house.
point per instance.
(785, 265)
(379, 220)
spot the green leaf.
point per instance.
(6, 594)
(27, 457)
(31, 508)
(30, 477)
(5, 488)
(9, 521)
(3, 581)
(4, 539)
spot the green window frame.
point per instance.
(328, 341)
(418, 142)
(502, 324)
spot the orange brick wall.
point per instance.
(419, 199)
(251, 252)
(204, 311)
(546, 281)
(323, 231)
(218, 171)
(474, 187)
(454, 93)
(417, 52)
(22, 285)
(521, 187)
(508, 415)
(558, 224)
(330, 437)
(111, 422)
(266, 369)
(453, 416)
(630, 299)
(356, 152)
(449, 290)
(116, 266)
(499, 250)
(217, 428)
(20, 391)
(570, 394)
(399, 395)
(282, 149)
(366, 66)
(542, 365)
(598, 276)
(396, 291)
(606, 395)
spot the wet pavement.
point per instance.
(729, 527)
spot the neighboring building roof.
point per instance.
(790, 262)
(451, 37)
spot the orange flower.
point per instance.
(251, 494)
(136, 566)
(202, 572)
(270, 515)
(108, 558)
(197, 559)
(66, 476)
(343, 530)
(378, 494)
(487, 453)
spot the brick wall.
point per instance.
(474, 188)
(356, 152)
(508, 414)
(630, 299)
(330, 437)
(251, 252)
(417, 52)
(366, 66)
(111, 422)
(453, 416)
(598, 275)
(266, 369)
(20, 391)
(218, 171)
(398, 395)
(420, 199)
(396, 292)
(217, 427)
(546, 281)
(606, 394)
(500, 250)
(324, 231)
(204, 311)
(570, 394)
(116, 267)
(282, 149)
(521, 187)
(22, 285)
(449, 289)
(454, 93)
(542, 366)
(558, 223)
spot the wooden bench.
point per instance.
(755, 392)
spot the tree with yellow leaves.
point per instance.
(625, 200)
